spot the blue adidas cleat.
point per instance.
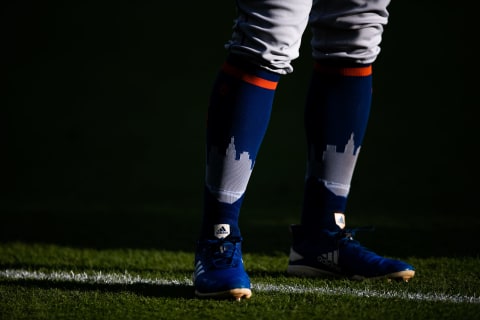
(338, 254)
(219, 270)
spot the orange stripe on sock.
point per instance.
(349, 72)
(249, 78)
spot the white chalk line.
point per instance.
(99, 277)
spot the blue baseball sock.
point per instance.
(238, 117)
(336, 116)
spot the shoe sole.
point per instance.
(404, 275)
(307, 271)
(237, 294)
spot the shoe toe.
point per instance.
(222, 280)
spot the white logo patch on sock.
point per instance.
(221, 230)
(340, 219)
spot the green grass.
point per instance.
(56, 272)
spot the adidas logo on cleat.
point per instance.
(339, 219)
(221, 230)
(329, 259)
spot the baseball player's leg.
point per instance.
(345, 42)
(268, 33)
(266, 38)
(346, 38)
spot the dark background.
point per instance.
(103, 114)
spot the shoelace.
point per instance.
(221, 252)
(350, 233)
(346, 236)
(346, 239)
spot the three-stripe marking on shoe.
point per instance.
(329, 258)
(199, 268)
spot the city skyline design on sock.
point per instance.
(335, 169)
(228, 174)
